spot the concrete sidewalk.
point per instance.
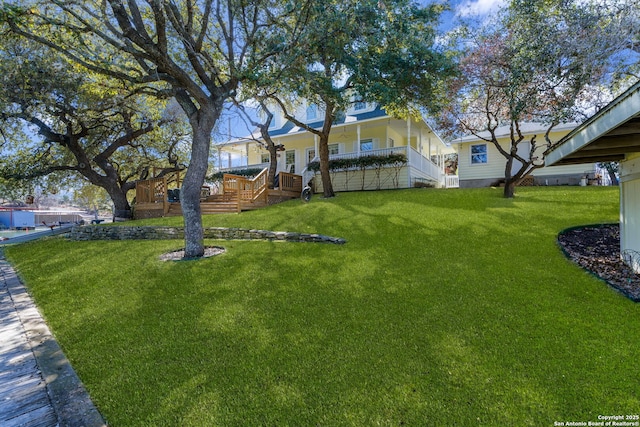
(38, 386)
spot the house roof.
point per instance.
(343, 118)
(290, 128)
(606, 136)
(505, 131)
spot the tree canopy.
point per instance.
(63, 123)
(198, 52)
(378, 51)
(536, 62)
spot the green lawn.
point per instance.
(445, 307)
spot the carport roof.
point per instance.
(607, 136)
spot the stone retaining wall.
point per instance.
(98, 232)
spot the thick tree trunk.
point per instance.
(121, 207)
(273, 166)
(509, 181)
(193, 180)
(509, 189)
(325, 175)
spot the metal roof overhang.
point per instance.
(607, 136)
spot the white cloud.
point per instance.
(478, 7)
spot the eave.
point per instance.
(607, 136)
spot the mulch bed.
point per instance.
(178, 255)
(597, 249)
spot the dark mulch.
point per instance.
(597, 249)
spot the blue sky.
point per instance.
(475, 7)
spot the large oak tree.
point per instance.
(61, 124)
(198, 51)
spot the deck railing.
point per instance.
(151, 190)
(290, 182)
(426, 166)
(248, 189)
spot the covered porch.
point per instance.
(405, 168)
(424, 152)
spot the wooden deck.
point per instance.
(239, 194)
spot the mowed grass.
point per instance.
(445, 307)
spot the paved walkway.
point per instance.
(38, 386)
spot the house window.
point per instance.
(391, 143)
(478, 154)
(334, 149)
(265, 158)
(311, 154)
(290, 160)
(359, 105)
(312, 112)
(366, 144)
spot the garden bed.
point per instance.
(597, 249)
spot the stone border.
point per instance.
(68, 396)
(99, 232)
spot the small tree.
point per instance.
(536, 62)
(265, 139)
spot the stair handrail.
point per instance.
(248, 190)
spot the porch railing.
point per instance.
(230, 170)
(378, 152)
(423, 164)
(452, 181)
(414, 158)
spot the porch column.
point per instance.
(409, 152)
(229, 160)
(316, 145)
(219, 158)
(281, 158)
(246, 150)
(358, 141)
(429, 156)
(408, 132)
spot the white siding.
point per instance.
(630, 206)
(494, 168)
(496, 163)
(565, 170)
